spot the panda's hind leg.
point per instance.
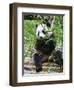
(38, 62)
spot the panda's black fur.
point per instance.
(43, 47)
(57, 55)
(38, 63)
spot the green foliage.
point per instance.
(58, 30)
(30, 34)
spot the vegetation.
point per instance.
(30, 36)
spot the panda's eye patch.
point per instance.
(44, 32)
(38, 33)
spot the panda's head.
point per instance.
(41, 31)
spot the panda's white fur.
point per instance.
(40, 29)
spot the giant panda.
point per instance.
(45, 43)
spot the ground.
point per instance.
(29, 68)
